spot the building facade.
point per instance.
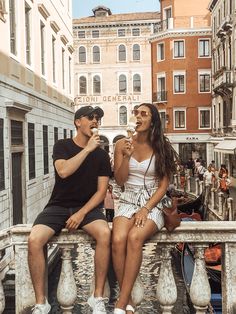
(181, 76)
(223, 16)
(36, 97)
(113, 66)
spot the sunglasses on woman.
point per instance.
(142, 113)
(92, 116)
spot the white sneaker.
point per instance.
(42, 308)
(97, 304)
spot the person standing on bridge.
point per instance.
(143, 165)
(82, 171)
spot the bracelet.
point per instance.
(147, 208)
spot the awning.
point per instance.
(226, 147)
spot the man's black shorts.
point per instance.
(55, 217)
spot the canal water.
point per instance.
(83, 273)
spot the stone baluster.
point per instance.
(200, 291)
(201, 187)
(212, 203)
(166, 288)
(228, 275)
(197, 186)
(221, 203)
(188, 183)
(138, 291)
(2, 296)
(230, 208)
(175, 181)
(66, 289)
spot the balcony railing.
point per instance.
(161, 96)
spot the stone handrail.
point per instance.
(199, 234)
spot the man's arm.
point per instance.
(75, 220)
(66, 167)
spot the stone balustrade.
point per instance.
(199, 234)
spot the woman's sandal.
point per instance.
(130, 308)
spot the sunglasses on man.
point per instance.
(142, 113)
(92, 116)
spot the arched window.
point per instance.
(136, 83)
(96, 54)
(83, 85)
(136, 52)
(82, 54)
(96, 84)
(122, 84)
(123, 115)
(122, 53)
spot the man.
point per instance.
(82, 171)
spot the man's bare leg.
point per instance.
(100, 231)
(39, 236)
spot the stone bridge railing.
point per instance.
(13, 246)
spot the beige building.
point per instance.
(113, 66)
(36, 96)
(223, 18)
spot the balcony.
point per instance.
(160, 96)
(223, 81)
(163, 26)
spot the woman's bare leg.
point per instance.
(136, 238)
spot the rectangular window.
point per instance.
(135, 32)
(45, 150)
(95, 34)
(81, 34)
(12, 22)
(55, 134)
(53, 59)
(160, 52)
(204, 48)
(161, 89)
(179, 49)
(63, 67)
(65, 133)
(2, 171)
(71, 133)
(204, 83)
(205, 118)
(179, 84)
(31, 150)
(121, 32)
(42, 37)
(28, 33)
(16, 132)
(179, 119)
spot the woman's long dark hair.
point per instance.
(165, 155)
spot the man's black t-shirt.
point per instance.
(77, 189)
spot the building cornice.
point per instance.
(179, 33)
(115, 25)
(64, 39)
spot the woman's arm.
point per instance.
(160, 192)
(122, 154)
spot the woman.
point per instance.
(143, 165)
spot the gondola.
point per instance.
(194, 210)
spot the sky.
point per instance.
(82, 8)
